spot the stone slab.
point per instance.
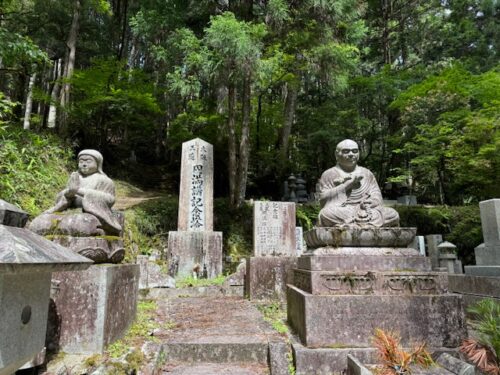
(215, 369)
(192, 251)
(476, 285)
(11, 215)
(200, 291)
(93, 308)
(266, 277)
(361, 260)
(347, 320)
(24, 251)
(370, 283)
(274, 229)
(455, 365)
(333, 361)
(359, 237)
(490, 221)
(196, 187)
(24, 302)
(278, 357)
(433, 241)
(217, 330)
(487, 255)
(487, 271)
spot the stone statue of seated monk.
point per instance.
(349, 194)
(96, 231)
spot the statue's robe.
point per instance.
(344, 207)
(96, 196)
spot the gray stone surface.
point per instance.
(196, 187)
(493, 271)
(24, 251)
(359, 237)
(153, 275)
(355, 367)
(359, 259)
(300, 243)
(274, 229)
(490, 221)
(475, 285)
(349, 194)
(433, 241)
(93, 308)
(106, 249)
(370, 283)
(455, 365)
(487, 255)
(12, 215)
(195, 252)
(278, 357)
(238, 277)
(267, 277)
(215, 369)
(325, 321)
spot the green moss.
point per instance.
(275, 315)
(190, 281)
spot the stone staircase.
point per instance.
(217, 335)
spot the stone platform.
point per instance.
(92, 308)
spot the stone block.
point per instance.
(490, 221)
(92, 308)
(193, 251)
(349, 320)
(24, 300)
(477, 285)
(358, 259)
(493, 271)
(278, 357)
(433, 241)
(11, 215)
(487, 255)
(267, 277)
(355, 367)
(369, 283)
(274, 229)
(455, 365)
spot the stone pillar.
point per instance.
(488, 253)
(195, 248)
(433, 240)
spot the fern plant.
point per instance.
(395, 360)
(484, 350)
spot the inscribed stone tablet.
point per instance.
(274, 228)
(196, 187)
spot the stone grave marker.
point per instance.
(195, 248)
(300, 245)
(274, 229)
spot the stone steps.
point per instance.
(215, 369)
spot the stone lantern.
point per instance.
(448, 258)
(27, 261)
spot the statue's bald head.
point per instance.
(347, 154)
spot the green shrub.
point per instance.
(33, 168)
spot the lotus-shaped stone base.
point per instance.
(359, 237)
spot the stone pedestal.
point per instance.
(355, 280)
(92, 308)
(475, 288)
(488, 253)
(267, 277)
(195, 252)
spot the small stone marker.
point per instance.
(488, 253)
(196, 187)
(195, 248)
(300, 245)
(274, 229)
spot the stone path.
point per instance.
(214, 335)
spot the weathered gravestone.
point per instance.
(195, 248)
(274, 252)
(358, 274)
(488, 253)
(26, 263)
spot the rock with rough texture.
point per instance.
(267, 277)
(11, 215)
(92, 308)
(274, 229)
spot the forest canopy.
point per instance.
(274, 85)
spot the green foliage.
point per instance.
(33, 168)
(307, 214)
(275, 315)
(190, 281)
(486, 323)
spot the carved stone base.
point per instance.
(350, 320)
(199, 252)
(369, 283)
(105, 249)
